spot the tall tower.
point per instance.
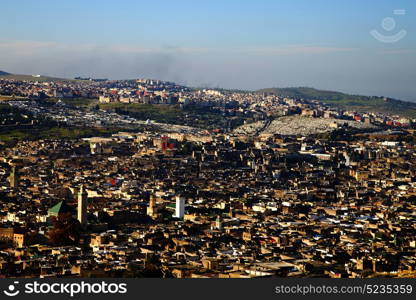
(82, 205)
(152, 209)
(218, 223)
(231, 213)
(180, 207)
(13, 178)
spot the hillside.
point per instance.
(299, 125)
(347, 101)
(5, 75)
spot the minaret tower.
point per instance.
(152, 209)
(218, 223)
(13, 178)
(180, 207)
(82, 206)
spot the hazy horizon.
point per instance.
(234, 45)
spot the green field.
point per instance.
(42, 132)
(192, 115)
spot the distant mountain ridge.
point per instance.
(4, 73)
(347, 101)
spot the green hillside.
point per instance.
(5, 75)
(347, 101)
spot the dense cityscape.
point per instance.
(172, 181)
(217, 149)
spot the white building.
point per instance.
(180, 207)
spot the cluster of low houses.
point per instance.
(221, 206)
(147, 91)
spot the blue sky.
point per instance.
(233, 44)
